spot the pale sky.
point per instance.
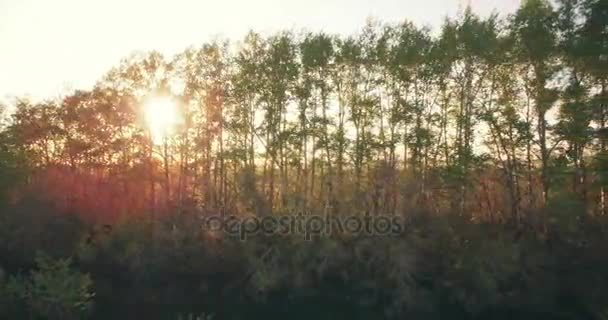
(46, 45)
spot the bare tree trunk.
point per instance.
(151, 176)
(603, 192)
(166, 165)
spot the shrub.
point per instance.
(31, 226)
(53, 291)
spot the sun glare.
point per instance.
(161, 116)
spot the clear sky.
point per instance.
(48, 45)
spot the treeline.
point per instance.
(487, 135)
(488, 117)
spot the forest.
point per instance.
(488, 135)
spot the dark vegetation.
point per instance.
(488, 138)
(442, 267)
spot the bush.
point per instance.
(53, 291)
(31, 226)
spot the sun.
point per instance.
(162, 116)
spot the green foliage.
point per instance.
(439, 267)
(13, 165)
(53, 290)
